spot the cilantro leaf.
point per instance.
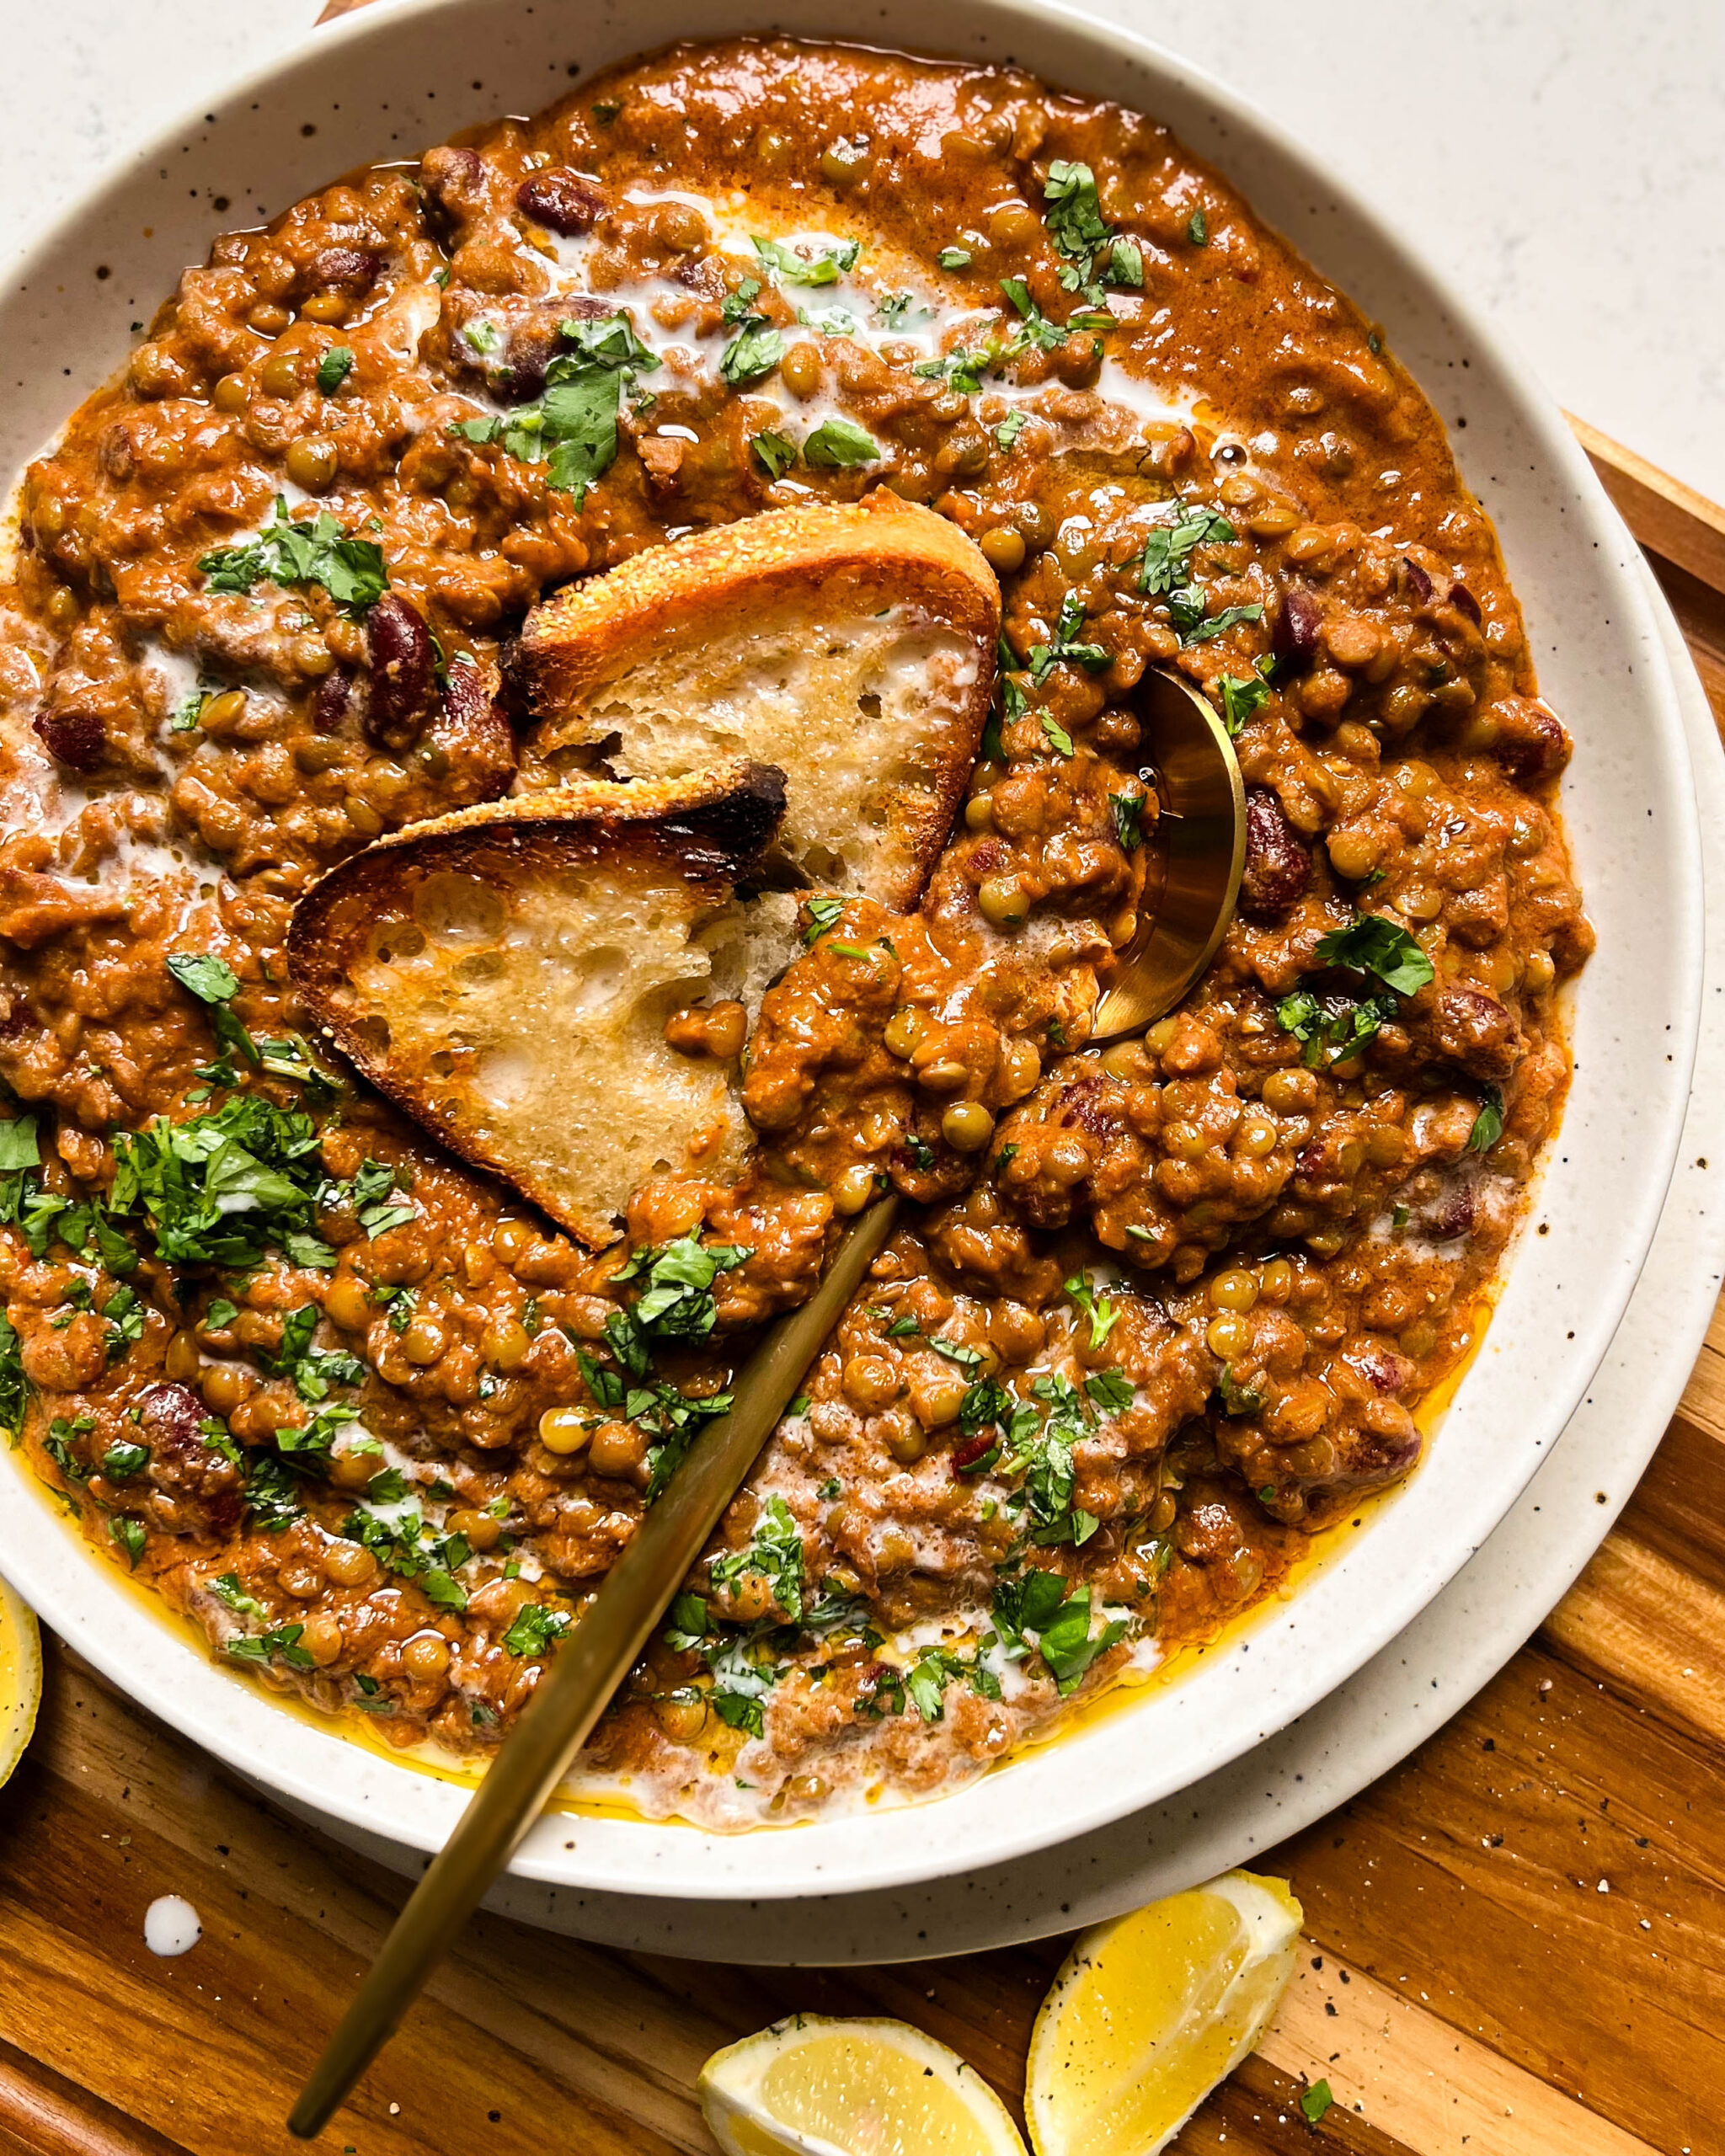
(1488, 1124)
(263, 1647)
(835, 444)
(775, 453)
(1315, 2101)
(677, 1304)
(1373, 943)
(1104, 1315)
(210, 979)
(1065, 646)
(790, 267)
(823, 913)
(1333, 1029)
(1128, 820)
(536, 1629)
(755, 351)
(131, 1535)
(19, 1148)
(335, 368)
(774, 1554)
(350, 570)
(1240, 699)
(1238, 1398)
(15, 1387)
(1035, 1605)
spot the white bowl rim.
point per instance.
(148, 1655)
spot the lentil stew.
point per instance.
(1162, 1311)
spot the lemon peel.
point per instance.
(816, 2085)
(1150, 2012)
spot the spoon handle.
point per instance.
(582, 1676)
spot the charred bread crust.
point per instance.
(845, 559)
(708, 830)
(576, 639)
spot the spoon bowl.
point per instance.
(1199, 854)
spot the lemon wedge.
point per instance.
(814, 2085)
(1150, 2012)
(20, 1678)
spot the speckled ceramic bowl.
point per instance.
(395, 77)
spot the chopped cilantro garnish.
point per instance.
(1315, 2101)
(755, 351)
(1373, 943)
(677, 1303)
(263, 1647)
(572, 427)
(1104, 1315)
(335, 368)
(535, 1629)
(1094, 253)
(790, 267)
(1198, 228)
(835, 444)
(1186, 611)
(774, 1554)
(1169, 548)
(1240, 699)
(823, 913)
(1065, 646)
(1128, 820)
(775, 453)
(350, 570)
(131, 1536)
(953, 257)
(1488, 1124)
(1238, 1398)
(1334, 1028)
(1036, 1608)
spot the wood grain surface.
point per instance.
(1515, 1941)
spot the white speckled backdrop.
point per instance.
(1563, 160)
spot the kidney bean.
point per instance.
(353, 269)
(1294, 636)
(76, 739)
(534, 341)
(203, 1485)
(1451, 1213)
(560, 199)
(1278, 865)
(334, 692)
(1463, 601)
(454, 181)
(402, 686)
(1532, 744)
(1090, 1105)
(1477, 1031)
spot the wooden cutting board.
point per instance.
(1515, 1941)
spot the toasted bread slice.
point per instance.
(505, 974)
(852, 646)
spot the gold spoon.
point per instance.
(1202, 849)
(1200, 856)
